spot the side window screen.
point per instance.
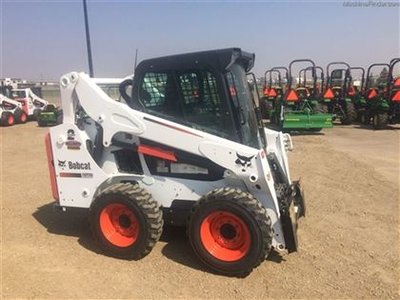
(152, 90)
(190, 97)
(159, 95)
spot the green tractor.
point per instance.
(393, 90)
(49, 116)
(355, 91)
(309, 84)
(376, 93)
(299, 109)
(272, 93)
(336, 98)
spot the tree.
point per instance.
(382, 79)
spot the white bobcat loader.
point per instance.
(11, 112)
(32, 104)
(187, 148)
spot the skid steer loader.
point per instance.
(185, 149)
(31, 103)
(11, 112)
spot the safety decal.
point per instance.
(71, 143)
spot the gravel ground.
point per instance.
(349, 241)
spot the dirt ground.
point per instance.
(349, 241)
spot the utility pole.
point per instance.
(136, 54)
(89, 48)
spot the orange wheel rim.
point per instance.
(225, 236)
(23, 117)
(10, 120)
(119, 225)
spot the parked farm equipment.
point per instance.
(299, 107)
(356, 92)
(304, 82)
(272, 92)
(376, 93)
(50, 115)
(336, 99)
(193, 150)
(393, 91)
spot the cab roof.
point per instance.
(220, 60)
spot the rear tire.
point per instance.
(380, 120)
(230, 231)
(126, 221)
(7, 119)
(350, 114)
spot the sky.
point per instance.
(46, 39)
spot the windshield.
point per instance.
(242, 105)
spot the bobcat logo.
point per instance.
(244, 161)
(62, 163)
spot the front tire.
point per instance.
(230, 231)
(126, 221)
(23, 118)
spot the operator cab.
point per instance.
(206, 90)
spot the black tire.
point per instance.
(21, 116)
(380, 120)
(350, 114)
(7, 119)
(246, 223)
(36, 113)
(134, 217)
(41, 123)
